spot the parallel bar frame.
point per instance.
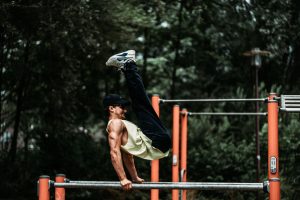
(273, 164)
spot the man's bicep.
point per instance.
(115, 126)
(115, 134)
(113, 139)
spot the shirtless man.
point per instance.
(126, 140)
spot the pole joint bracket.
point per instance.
(266, 186)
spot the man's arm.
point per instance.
(115, 134)
(129, 163)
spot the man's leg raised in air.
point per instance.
(149, 122)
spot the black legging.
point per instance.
(149, 122)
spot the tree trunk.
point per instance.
(177, 46)
(19, 104)
(292, 71)
(1, 71)
(145, 57)
(13, 149)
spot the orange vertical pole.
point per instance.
(43, 187)
(273, 156)
(60, 192)
(175, 141)
(155, 163)
(183, 151)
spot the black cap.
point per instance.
(114, 99)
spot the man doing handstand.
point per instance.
(151, 141)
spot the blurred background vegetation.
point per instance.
(53, 80)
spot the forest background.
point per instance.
(53, 79)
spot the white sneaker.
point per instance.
(118, 60)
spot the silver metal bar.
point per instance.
(291, 97)
(212, 100)
(292, 101)
(227, 114)
(165, 183)
(291, 105)
(290, 109)
(168, 185)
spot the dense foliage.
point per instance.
(53, 79)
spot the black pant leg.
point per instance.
(149, 122)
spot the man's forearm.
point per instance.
(129, 163)
(116, 160)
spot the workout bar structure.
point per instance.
(273, 160)
(212, 100)
(60, 183)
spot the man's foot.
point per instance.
(118, 60)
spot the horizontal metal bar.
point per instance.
(212, 100)
(291, 97)
(227, 114)
(292, 105)
(165, 185)
(292, 101)
(290, 109)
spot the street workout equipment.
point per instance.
(61, 183)
(288, 103)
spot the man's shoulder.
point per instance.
(115, 122)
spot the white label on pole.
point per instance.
(273, 165)
(174, 159)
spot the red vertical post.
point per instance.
(273, 155)
(183, 151)
(43, 187)
(60, 192)
(175, 149)
(155, 163)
